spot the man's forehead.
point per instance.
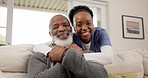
(58, 19)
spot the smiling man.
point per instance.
(60, 30)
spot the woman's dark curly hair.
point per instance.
(77, 9)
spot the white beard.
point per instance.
(65, 42)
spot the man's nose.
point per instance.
(62, 28)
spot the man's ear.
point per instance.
(50, 34)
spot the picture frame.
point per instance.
(133, 27)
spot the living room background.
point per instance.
(115, 9)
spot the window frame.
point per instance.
(102, 5)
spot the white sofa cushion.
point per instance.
(14, 58)
(2, 75)
(15, 75)
(144, 53)
(126, 63)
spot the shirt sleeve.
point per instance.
(105, 57)
(42, 48)
(105, 40)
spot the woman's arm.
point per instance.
(105, 57)
(42, 48)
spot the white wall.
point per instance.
(117, 8)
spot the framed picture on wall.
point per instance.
(132, 27)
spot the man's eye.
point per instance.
(55, 27)
(66, 25)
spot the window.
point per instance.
(3, 16)
(99, 9)
(30, 27)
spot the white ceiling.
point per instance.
(46, 5)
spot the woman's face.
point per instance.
(83, 23)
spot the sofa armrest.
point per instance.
(126, 63)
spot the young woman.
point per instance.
(89, 38)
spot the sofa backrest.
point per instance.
(14, 58)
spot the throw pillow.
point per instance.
(123, 76)
(144, 53)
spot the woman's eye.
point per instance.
(89, 24)
(79, 24)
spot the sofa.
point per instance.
(14, 59)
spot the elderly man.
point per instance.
(65, 60)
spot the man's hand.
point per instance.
(55, 54)
(77, 49)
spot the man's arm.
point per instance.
(40, 67)
(75, 63)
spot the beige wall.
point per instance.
(117, 8)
